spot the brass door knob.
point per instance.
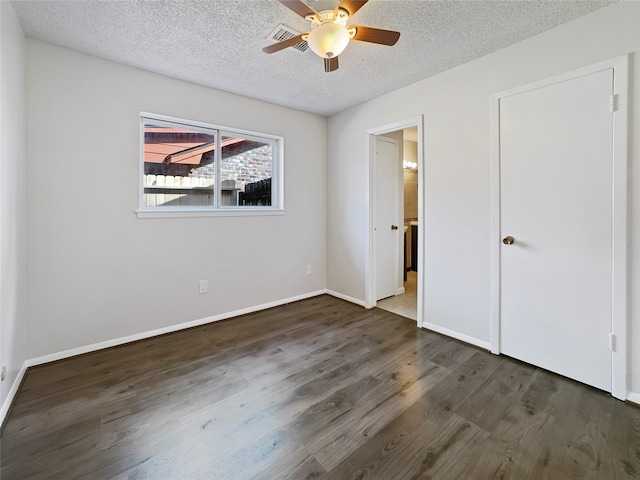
(508, 240)
(394, 227)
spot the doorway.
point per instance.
(407, 181)
(560, 227)
(405, 302)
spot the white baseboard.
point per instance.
(12, 393)
(457, 335)
(633, 397)
(345, 297)
(161, 331)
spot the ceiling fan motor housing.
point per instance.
(318, 18)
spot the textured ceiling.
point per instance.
(218, 43)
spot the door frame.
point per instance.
(619, 264)
(369, 295)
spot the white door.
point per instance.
(387, 226)
(556, 202)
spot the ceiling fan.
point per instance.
(330, 33)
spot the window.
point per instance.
(191, 167)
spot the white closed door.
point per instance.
(387, 227)
(556, 202)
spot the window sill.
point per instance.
(186, 213)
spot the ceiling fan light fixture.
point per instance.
(328, 40)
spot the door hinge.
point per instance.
(613, 103)
(612, 342)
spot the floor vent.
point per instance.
(282, 32)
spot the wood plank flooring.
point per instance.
(318, 389)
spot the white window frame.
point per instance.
(277, 185)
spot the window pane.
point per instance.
(197, 167)
(246, 170)
(179, 166)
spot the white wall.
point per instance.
(455, 106)
(12, 200)
(96, 271)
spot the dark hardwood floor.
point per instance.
(318, 389)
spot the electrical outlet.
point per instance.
(308, 269)
(3, 374)
(204, 286)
